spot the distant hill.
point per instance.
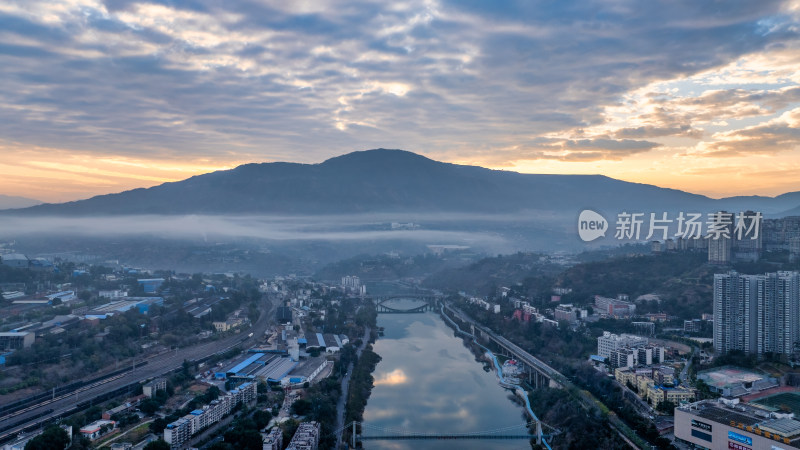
(10, 202)
(392, 181)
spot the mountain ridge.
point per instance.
(15, 202)
(390, 180)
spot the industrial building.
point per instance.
(306, 371)
(15, 260)
(331, 343)
(63, 297)
(14, 340)
(729, 424)
(151, 285)
(271, 367)
(143, 304)
(283, 314)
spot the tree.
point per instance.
(53, 438)
(157, 426)
(149, 406)
(667, 406)
(301, 407)
(157, 445)
(261, 418)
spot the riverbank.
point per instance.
(520, 392)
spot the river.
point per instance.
(429, 382)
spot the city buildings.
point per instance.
(735, 236)
(178, 433)
(692, 326)
(306, 437)
(614, 307)
(569, 313)
(729, 424)
(657, 394)
(274, 439)
(609, 342)
(757, 314)
(353, 284)
(158, 384)
(720, 250)
(623, 357)
(654, 384)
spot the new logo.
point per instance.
(591, 225)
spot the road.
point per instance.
(156, 366)
(684, 373)
(346, 388)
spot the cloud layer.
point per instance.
(106, 95)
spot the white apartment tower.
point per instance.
(757, 314)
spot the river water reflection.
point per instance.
(429, 382)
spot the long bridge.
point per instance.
(365, 432)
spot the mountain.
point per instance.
(383, 180)
(10, 202)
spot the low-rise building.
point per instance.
(692, 326)
(158, 384)
(228, 324)
(569, 313)
(180, 431)
(123, 408)
(306, 437)
(614, 307)
(98, 428)
(274, 439)
(657, 394)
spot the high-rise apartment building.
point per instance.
(757, 314)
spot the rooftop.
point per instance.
(729, 376)
(782, 427)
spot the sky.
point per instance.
(100, 96)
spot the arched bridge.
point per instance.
(382, 306)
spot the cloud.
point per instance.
(397, 376)
(778, 135)
(246, 81)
